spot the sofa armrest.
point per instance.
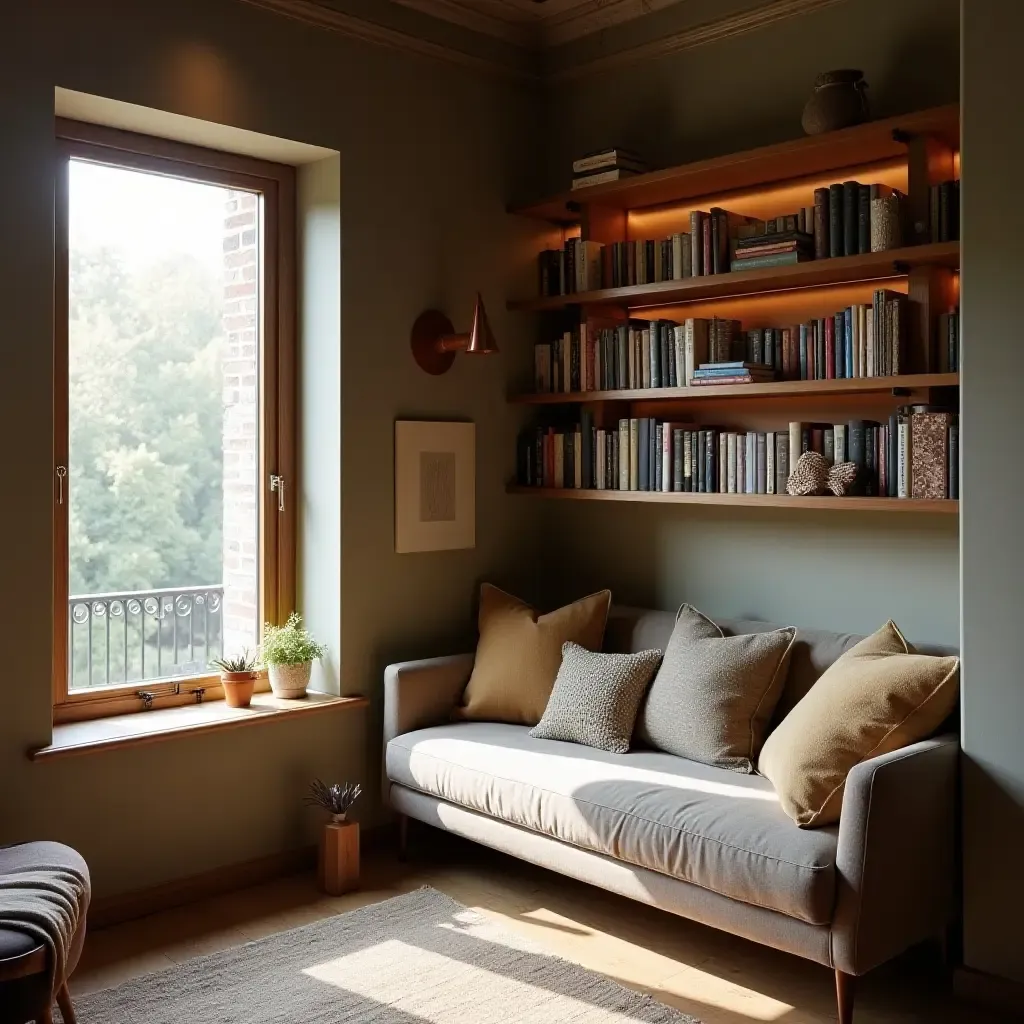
(896, 860)
(418, 694)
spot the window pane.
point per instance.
(163, 370)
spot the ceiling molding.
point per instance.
(319, 16)
(698, 35)
(516, 16)
(526, 23)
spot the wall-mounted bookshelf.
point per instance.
(780, 389)
(874, 266)
(908, 156)
(814, 502)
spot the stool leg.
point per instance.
(64, 1002)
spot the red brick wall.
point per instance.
(241, 457)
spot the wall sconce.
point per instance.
(434, 341)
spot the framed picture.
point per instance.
(435, 486)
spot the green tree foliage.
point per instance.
(146, 462)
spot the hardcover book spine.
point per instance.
(688, 460)
(781, 463)
(864, 219)
(678, 454)
(795, 447)
(710, 467)
(741, 464)
(665, 360)
(804, 365)
(821, 224)
(770, 469)
(722, 463)
(700, 463)
(856, 441)
(586, 442)
(762, 464)
(731, 463)
(657, 441)
(828, 444)
(623, 451)
(839, 442)
(835, 220)
(696, 244)
(851, 195)
(634, 453)
(705, 237)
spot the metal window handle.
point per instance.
(277, 484)
(62, 472)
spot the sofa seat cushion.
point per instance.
(705, 825)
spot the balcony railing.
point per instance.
(143, 635)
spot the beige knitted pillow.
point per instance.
(877, 697)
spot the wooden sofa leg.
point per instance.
(403, 837)
(844, 996)
(67, 1011)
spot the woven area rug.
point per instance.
(420, 958)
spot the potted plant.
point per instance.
(289, 651)
(339, 843)
(238, 677)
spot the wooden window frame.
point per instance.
(274, 184)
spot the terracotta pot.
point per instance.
(238, 687)
(838, 101)
(290, 681)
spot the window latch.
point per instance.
(146, 696)
(62, 472)
(277, 484)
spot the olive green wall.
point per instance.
(844, 571)
(428, 155)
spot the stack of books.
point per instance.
(773, 250)
(737, 372)
(606, 165)
(914, 455)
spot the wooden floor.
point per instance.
(708, 974)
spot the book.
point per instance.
(821, 224)
(953, 473)
(851, 196)
(864, 218)
(696, 346)
(602, 177)
(613, 156)
(781, 462)
(782, 259)
(835, 220)
(929, 454)
(795, 444)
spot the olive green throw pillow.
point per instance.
(713, 696)
(519, 653)
(879, 696)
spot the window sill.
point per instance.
(156, 726)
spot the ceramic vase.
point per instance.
(290, 681)
(839, 100)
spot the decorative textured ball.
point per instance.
(809, 476)
(841, 478)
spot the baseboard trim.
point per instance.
(989, 990)
(180, 891)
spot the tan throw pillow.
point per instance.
(596, 697)
(713, 696)
(877, 697)
(519, 653)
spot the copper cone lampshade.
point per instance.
(434, 341)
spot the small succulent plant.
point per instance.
(244, 662)
(337, 798)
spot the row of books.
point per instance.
(914, 455)
(846, 219)
(860, 341)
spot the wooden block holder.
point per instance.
(339, 857)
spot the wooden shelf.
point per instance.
(820, 503)
(864, 144)
(782, 389)
(873, 266)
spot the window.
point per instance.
(174, 407)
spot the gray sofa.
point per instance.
(702, 842)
